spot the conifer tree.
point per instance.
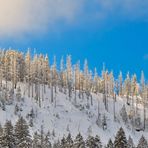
(98, 143)
(8, 139)
(123, 114)
(22, 135)
(1, 135)
(69, 141)
(120, 83)
(63, 143)
(56, 144)
(47, 143)
(120, 139)
(90, 142)
(142, 143)
(104, 123)
(130, 143)
(36, 140)
(110, 144)
(127, 85)
(79, 142)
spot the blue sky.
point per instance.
(110, 31)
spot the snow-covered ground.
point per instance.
(67, 116)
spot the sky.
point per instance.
(114, 32)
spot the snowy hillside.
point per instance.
(64, 115)
(69, 101)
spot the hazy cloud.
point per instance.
(21, 16)
(130, 9)
(30, 16)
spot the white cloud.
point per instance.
(28, 16)
(19, 17)
(131, 9)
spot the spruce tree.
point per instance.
(130, 143)
(142, 143)
(79, 142)
(47, 143)
(56, 144)
(120, 139)
(8, 140)
(124, 115)
(98, 143)
(90, 142)
(1, 134)
(110, 144)
(63, 143)
(36, 140)
(69, 141)
(22, 135)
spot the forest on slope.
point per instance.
(24, 77)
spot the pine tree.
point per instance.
(36, 140)
(138, 124)
(123, 114)
(63, 143)
(69, 75)
(47, 143)
(22, 135)
(142, 83)
(28, 69)
(127, 85)
(18, 94)
(120, 139)
(120, 83)
(98, 143)
(1, 135)
(8, 140)
(16, 109)
(110, 144)
(69, 141)
(104, 123)
(142, 143)
(79, 142)
(130, 143)
(56, 144)
(90, 142)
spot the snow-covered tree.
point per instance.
(90, 142)
(63, 143)
(130, 143)
(110, 144)
(127, 87)
(18, 94)
(120, 83)
(104, 123)
(120, 139)
(123, 114)
(79, 142)
(69, 141)
(142, 143)
(97, 141)
(36, 141)
(8, 139)
(22, 135)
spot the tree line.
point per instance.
(18, 136)
(19, 67)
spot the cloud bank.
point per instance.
(30, 16)
(23, 16)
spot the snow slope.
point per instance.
(70, 117)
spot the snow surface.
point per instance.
(66, 117)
